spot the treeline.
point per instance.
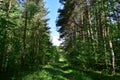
(91, 33)
(24, 36)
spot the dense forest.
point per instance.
(89, 29)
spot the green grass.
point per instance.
(62, 71)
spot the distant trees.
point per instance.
(90, 35)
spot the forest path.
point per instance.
(62, 71)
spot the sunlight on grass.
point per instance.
(47, 66)
(62, 71)
(68, 71)
(41, 75)
(65, 65)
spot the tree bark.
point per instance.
(113, 56)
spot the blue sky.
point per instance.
(53, 6)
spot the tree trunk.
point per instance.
(113, 56)
(24, 42)
(5, 55)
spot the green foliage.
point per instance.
(89, 34)
(24, 36)
(42, 75)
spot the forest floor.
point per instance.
(62, 71)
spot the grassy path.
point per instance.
(62, 71)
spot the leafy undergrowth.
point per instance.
(62, 71)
